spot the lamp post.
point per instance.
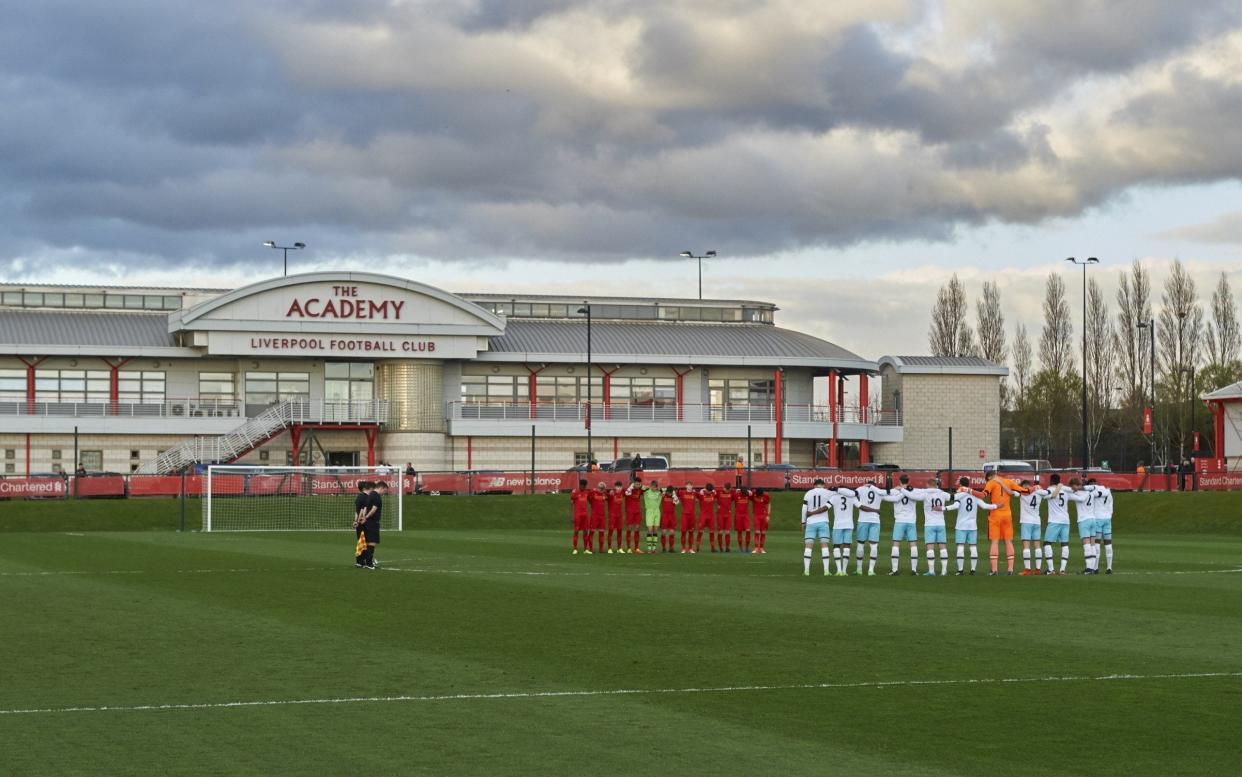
(295, 247)
(586, 310)
(1086, 446)
(692, 255)
(1150, 326)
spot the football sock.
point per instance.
(914, 558)
(806, 561)
(961, 558)
(896, 558)
(875, 551)
(931, 561)
(944, 561)
(824, 555)
(1039, 558)
(974, 558)
(859, 557)
(1108, 555)
(1026, 556)
(1064, 557)
(1009, 558)
(1048, 555)
(836, 555)
(1086, 556)
(575, 540)
(728, 540)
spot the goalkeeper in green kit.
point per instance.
(652, 495)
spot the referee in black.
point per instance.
(361, 502)
(371, 526)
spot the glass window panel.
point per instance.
(94, 301)
(558, 311)
(172, 303)
(362, 370)
(133, 301)
(33, 299)
(73, 300)
(113, 301)
(521, 308)
(11, 298)
(151, 302)
(336, 370)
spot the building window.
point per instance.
(73, 385)
(658, 392)
(216, 387)
(143, 387)
(55, 454)
(727, 459)
(268, 388)
(581, 458)
(567, 389)
(494, 388)
(134, 454)
(9, 469)
(12, 384)
(10, 453)
(57, 467)
(91, 461)
(264, 455)
(349, 381)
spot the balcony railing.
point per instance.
(318, 410)
(651, 412)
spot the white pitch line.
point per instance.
(617, 692)
(204, 571)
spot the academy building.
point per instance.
(346, 368)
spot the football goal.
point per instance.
(244, 498)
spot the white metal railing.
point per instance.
(227, 447)
(185, 407)
(688, 413)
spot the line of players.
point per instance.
(1093, 505)
(610, 520)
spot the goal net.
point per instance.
(242, 498)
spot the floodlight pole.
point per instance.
(286, 249)
(700, 257)
(1086, 445)
(586, 308)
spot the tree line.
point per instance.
(1196, 352)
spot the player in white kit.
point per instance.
(1086, 528)
(1058, 497)
(966, 530)
(1103, 505)
(815, 506)
(843, 504)
(935, 503)
(1029, 520)
(869, 500)
(905, 523)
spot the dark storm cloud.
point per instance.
(598, 128)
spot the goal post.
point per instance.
(255, 498)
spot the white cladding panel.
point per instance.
(1233, 429)
(335, 303)
(345, 346)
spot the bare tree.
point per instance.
(1180, 339)
(1022, 366)
(1100, 368)
(1223, 338)
(990, 324)
(1133, 345)
(966, 345)
(946, 336)
(1055, 346)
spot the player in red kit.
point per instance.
(668, 519)
(762, 502)
(689, 500)
(579, 499)
(633, 515)
(741, 519)
(707, 517)
(724, 518)
(599, 499)
(616, 517)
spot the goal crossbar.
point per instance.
(266, 498)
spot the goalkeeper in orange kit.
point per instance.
(999, 491)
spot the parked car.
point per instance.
(874, 467)
(644, 463)
(1010, 467)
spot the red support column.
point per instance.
(532, 388)
(779, 413)
(864, 445)
(295, 442)
(371, 433)
(616, 448)
(681, 390)
(1218, 432)
(30, 387)
(114, 380)
(606, 390)
(75, 464)
(469, 453)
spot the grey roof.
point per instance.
(74, 328)
(683, 342)
(958, 365)
(1232, 391)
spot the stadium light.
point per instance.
(1086, 447)
(692, 255)
(295, 247)
(586, 310)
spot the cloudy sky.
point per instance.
(843, 158)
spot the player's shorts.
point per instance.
(817, 531)
(966, 536)
(652, 520)
(668, 522)
(1086, 529)
(868, 532)
(1000, 528)
(371, 530)
(1103, 528)
(706, 521)
(614, 522)
(761, 523)
(741, 522)
(842, 536)
(1056, 532)
(598, 523)
(1030, 531)
(581, 522)
(905, 532)
(723, 520)
(633, 519)
(935, 535)
(687, 522)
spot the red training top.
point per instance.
(762, 505)
(668, 508)
(579, 498)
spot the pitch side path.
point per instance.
(483, 647)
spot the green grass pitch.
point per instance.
(483, 647)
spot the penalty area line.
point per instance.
(725, 689)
